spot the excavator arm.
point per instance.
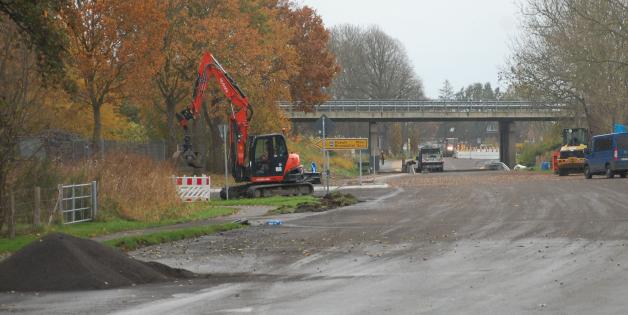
(240, 114)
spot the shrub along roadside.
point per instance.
(134, 242)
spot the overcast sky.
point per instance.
(464, 41)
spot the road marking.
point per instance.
(178, 302)
(236, 310)
(387, 196)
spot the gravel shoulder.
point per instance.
(447, 243)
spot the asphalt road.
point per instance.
(445, 243)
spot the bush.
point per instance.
(131, 187)
(531, 150)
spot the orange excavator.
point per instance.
(261, 162)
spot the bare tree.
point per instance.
(373, 65)
(574, 51)
(446, 93)
(347, 44)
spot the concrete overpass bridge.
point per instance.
(374, 111)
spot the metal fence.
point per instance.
(72, 149)
(28, 207)
(78, 202)
(83, 149)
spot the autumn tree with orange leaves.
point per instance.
(275, 51)
(146, 53)
(112, 51)
(173, 80)
(316, 64)
(249, 40)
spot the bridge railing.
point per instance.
(427, 106)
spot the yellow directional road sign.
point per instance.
(343, 143)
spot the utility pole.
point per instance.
(360, 159)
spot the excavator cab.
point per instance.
(268, 154)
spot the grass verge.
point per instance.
(93, 229)
(98, 228)
(276, 201)
(134, 242)
(214, 208)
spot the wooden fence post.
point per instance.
(11, 215)
(37, 208)
(60, 208)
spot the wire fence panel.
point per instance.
(78, 202)
(72, 149)
(26, 203)
(83, 149)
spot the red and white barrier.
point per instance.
(193, 188)
(478, 154)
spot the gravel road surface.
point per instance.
(445, 243)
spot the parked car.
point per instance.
(607, 155)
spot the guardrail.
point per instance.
(427, 106)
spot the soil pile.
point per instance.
(328, 202)
(63, 262)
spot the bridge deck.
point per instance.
(409, 110)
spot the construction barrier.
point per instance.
(193, 188)
(479, 155)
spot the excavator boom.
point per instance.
(240, 113)
(262, 161)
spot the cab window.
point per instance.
(602, 144)
(263, 149)
(280, 148)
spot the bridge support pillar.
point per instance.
(507, 150)
(373, 146)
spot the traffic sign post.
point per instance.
(360, 157)
(337, 144)
(325, 166)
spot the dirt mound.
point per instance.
(62, 262)
(328, 202)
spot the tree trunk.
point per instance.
(214, 144)
(587, 115)
(170, 123)
(98, 144)
(3, 201)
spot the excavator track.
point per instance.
(268, 190)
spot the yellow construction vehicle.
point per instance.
(570, 158)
